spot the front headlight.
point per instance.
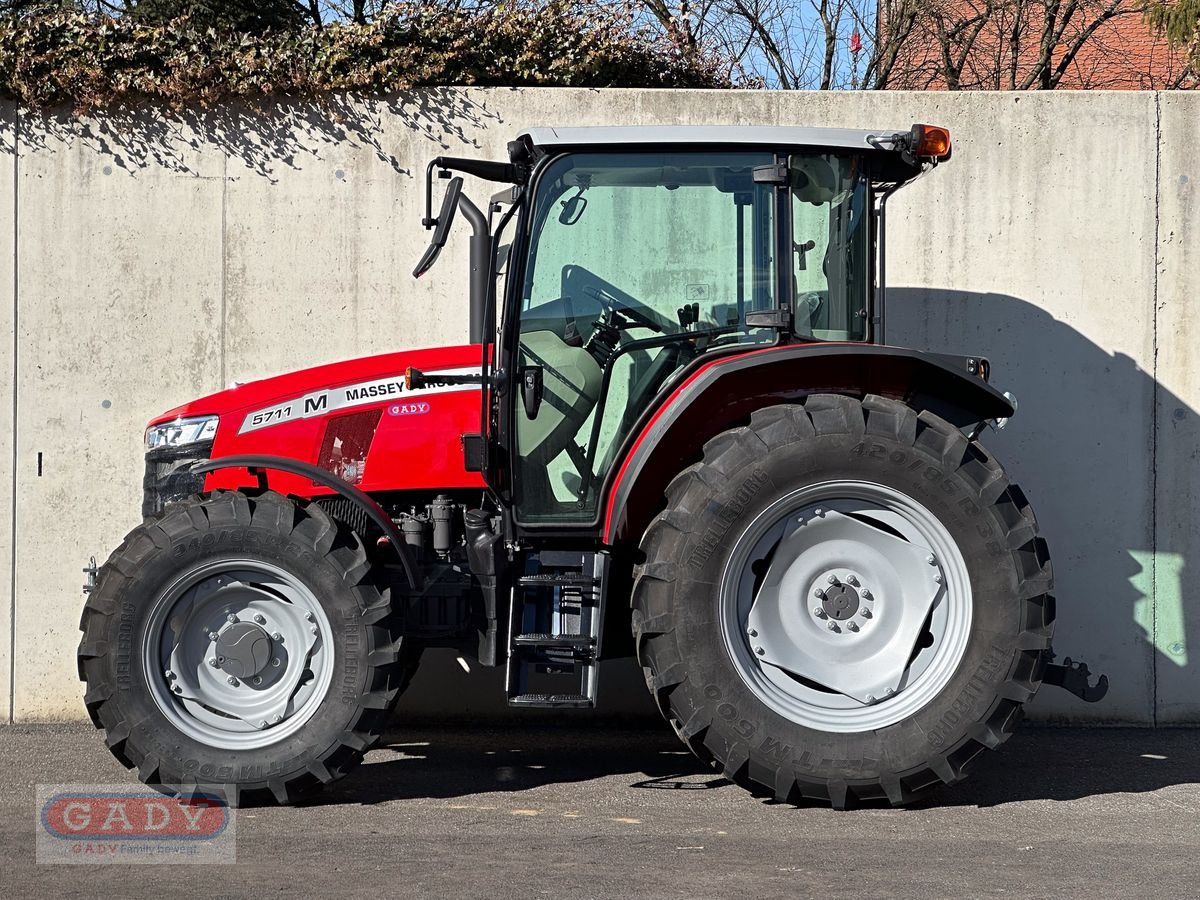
(181, 432)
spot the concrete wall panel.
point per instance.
(1176, 626)
(8, 161)
(1034, 247)
(119, 313)
(255, 244)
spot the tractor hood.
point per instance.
(245, 398)
(357, 419)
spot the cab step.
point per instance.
(552, 701)
(569, 579)
(555, 622)
(556, 641)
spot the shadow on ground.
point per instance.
(1039, 763)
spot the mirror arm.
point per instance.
(429, 221)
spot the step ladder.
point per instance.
(555, 624)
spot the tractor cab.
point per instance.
(631, 255)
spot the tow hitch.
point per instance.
(1075, 677)
(90, 571)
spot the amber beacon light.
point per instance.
(929, 141)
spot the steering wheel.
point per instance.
(634, 310)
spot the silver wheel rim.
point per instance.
(237, 654)
(846, 606)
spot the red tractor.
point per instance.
(676, 432)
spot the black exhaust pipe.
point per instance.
(480, 250)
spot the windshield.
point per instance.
(637, 263)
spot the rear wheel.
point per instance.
(240, 644)
(845, 600)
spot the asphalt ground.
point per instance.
(589, 808)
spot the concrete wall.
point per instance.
(156, 260)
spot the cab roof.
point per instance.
(709, 136)
(889, 166)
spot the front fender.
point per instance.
(725, 391)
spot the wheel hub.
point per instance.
(841, 602)
(243, 649)
(854, 640)
(841, 542)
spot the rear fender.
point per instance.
(726, 391)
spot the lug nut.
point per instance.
(212, 661)
(931, 559)
(308, 617)
(233, 681)
(275, 662)
(212, 635)
(260, 618)
(276, 719)
(265, 724)
(819, 593)
(276, 636)
(832, 626)
(818, 511)
(819, 612)
(870, 699)
(230, 618)
(853, 626)
(865, 594)
(257, 679)
(759, 650)
(890, 692)
(852, 580)
(169, 674)
(753, 633)
(832, 579)
(177, 689)
(313, 630)
(937, 578)
(865, 613)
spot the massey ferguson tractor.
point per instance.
(676, 432)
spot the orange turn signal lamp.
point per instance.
(929, 141)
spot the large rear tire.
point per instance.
(240, 644)
(843, 601)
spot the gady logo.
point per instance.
(107, 823)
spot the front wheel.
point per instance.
(238, 643)
(844, 600)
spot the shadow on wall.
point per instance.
(262, 139)
(1082, 445)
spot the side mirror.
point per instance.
(441, 230)
(531, 390)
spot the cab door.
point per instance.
(635, 265)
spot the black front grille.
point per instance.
(169, 476)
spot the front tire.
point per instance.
(239, 643)
(796, 566)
